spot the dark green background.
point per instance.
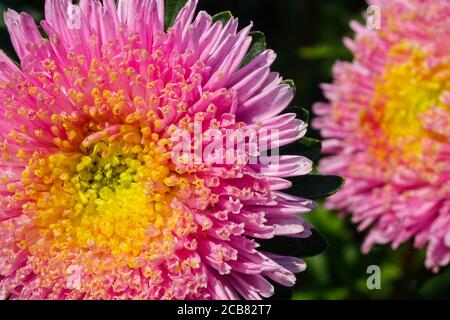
(306, 35)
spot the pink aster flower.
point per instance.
(93, 205)
(387, 128)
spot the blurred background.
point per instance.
(307, 37)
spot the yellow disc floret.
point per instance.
(407, 89)
(114, 196)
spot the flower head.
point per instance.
(387, 128)
(95, 203)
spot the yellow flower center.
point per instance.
(113, 196)
(407, 89)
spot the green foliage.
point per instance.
(307, 147)
(224, 16)
(340, 273)
(314, 186)
(323, 51)
(171, 9)
(258, 46)
(301, 113)
(290, 83)
(296, 247)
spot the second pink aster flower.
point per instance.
(387, 128)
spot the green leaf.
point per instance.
(222, 16)
(171, 9)
(436, 285)
(315, 186)
(301, 113)
(307, 147)
(324, 51)
(314, 245)
(257, 47)
(290, 83)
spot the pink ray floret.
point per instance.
(387, 127)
